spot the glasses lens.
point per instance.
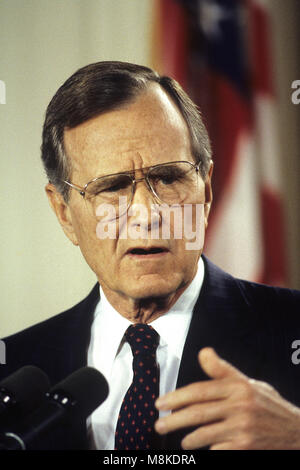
(109, 196)
(176, 183)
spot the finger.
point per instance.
(216, 367)
(208, 435)
(193, 415)
(223, 446)
(195, 393)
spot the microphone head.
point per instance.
(84, 390)
(27, 387)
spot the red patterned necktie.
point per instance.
(135, 427)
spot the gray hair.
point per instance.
(101, 87)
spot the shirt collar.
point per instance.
(172, 326)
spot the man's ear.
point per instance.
(62, 212)
(208, 193)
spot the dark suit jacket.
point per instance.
(250, 325)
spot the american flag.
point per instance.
(219, 51)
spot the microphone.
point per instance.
(21, 393)
(76, 397)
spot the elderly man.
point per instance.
(190, 353)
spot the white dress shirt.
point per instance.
(112, 356)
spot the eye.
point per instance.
(167, 176)
(168, 179)
(109, 185)
(116, 186)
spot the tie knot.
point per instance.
(143, 339)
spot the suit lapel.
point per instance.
(222, 319)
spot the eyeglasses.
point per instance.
(170, 183)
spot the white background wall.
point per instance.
(42, 42)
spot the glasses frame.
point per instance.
(83, 189)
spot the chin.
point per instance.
(153, 287)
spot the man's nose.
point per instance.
(142, 193)
(142, 211)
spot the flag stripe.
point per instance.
(225, 64)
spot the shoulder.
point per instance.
(278, 305)
(59, 321)
(266, 308)
(264, 294)
(253, 294)
(50, 344)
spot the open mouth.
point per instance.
(151, 251)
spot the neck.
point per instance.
(143, 310)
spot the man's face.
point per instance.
(144, 133)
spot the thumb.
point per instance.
(215, 367)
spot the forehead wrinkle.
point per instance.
(141, 134)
